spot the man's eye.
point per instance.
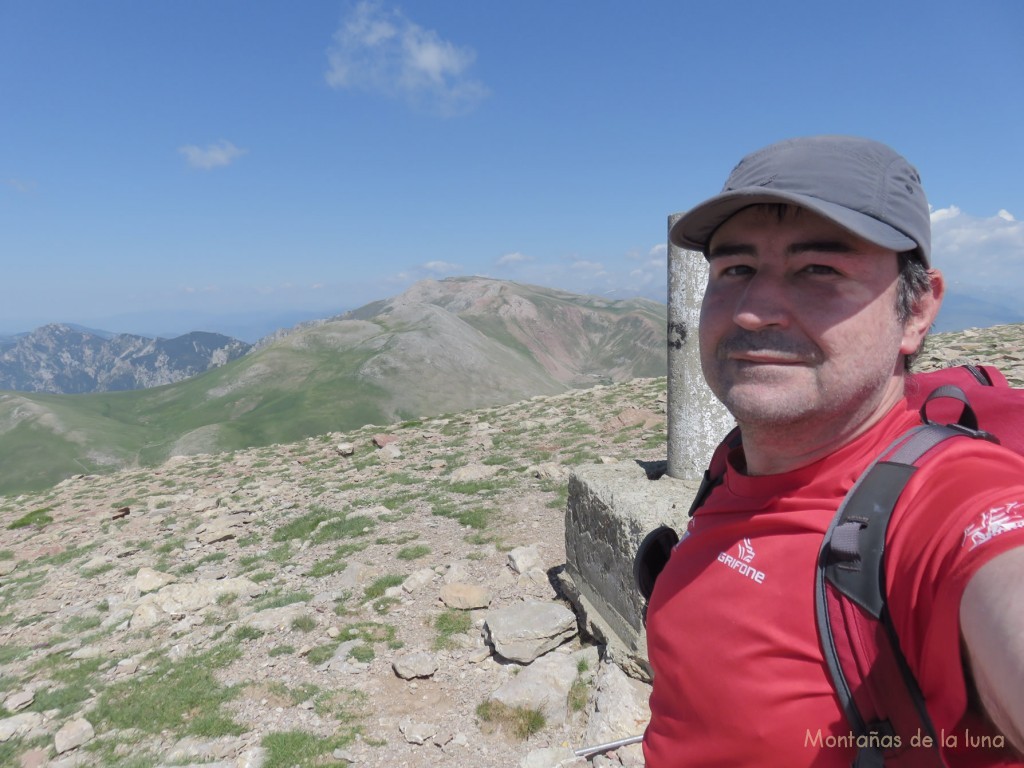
(738, 270)
(820, 269)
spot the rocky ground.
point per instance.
(378, 598)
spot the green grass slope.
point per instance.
(391, 361)
(281, 395)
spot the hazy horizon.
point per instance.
(960, 310)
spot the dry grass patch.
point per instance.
(521, 722)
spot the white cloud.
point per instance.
(512, 258)
(212, 156)
(943, 214)
(653, 261)
(380, 50)
(974, 251)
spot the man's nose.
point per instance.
(763, 303)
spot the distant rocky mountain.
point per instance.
(484, 336)
(440, 347)
(66, 359)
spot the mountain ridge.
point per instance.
(61, 358)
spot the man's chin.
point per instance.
(765, 371)
(756, 406)
(766, 382)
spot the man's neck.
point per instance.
(772, 449)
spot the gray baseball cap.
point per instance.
(861, 185)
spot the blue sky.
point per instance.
(171, 164)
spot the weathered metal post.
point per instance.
(697, 421)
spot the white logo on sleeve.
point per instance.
(742, 562)
(992, 523)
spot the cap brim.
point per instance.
(694, 229)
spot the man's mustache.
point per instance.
(767, 343)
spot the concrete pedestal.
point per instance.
(611, 508)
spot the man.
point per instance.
(819, 293)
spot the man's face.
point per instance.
(799, 320)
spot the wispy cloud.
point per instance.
(512, 258)
(637, 272)
(23, 186)
(592, 268)
(217, 155)
(441, 267)
(428, 270)
(384, 51)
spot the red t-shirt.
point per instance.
(739, 677)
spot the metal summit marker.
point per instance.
(697, 421)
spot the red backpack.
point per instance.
(875, 686)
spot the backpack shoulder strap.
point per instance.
(716, 468)
(876, 688)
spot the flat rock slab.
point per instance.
(150, 580)
(465, 597)
(418, 579)
(74, 734)
(19, 700)
(184, 599)
(413, 665)
(19, 725)
(416, 732)
(544, 685)
(523, 559)
(524, 631)
(277, 618)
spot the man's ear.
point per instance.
(923, 313)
